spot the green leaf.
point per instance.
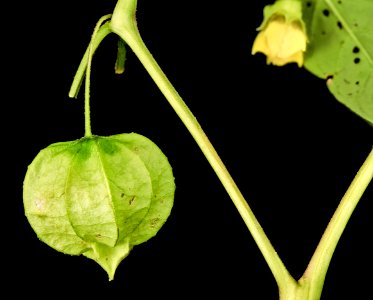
(340, 50)
(99, 196)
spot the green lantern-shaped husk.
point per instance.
(99, 196)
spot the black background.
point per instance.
(289, 145)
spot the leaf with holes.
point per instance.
(99, 196)
(340, 50)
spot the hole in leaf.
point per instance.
(326, 12)
(356, 60)
(357, 82)
(339, 24)
(356, 50)
(308, 3)
(339, 1)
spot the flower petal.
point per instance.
(260, 44)
(284, 39)
(279, 61)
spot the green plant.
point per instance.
(122, 23)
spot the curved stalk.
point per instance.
(87, 109)
(101, 33)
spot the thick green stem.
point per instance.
(316, 271)
(124, 24)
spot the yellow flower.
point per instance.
(282, 35)
(281, 41)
